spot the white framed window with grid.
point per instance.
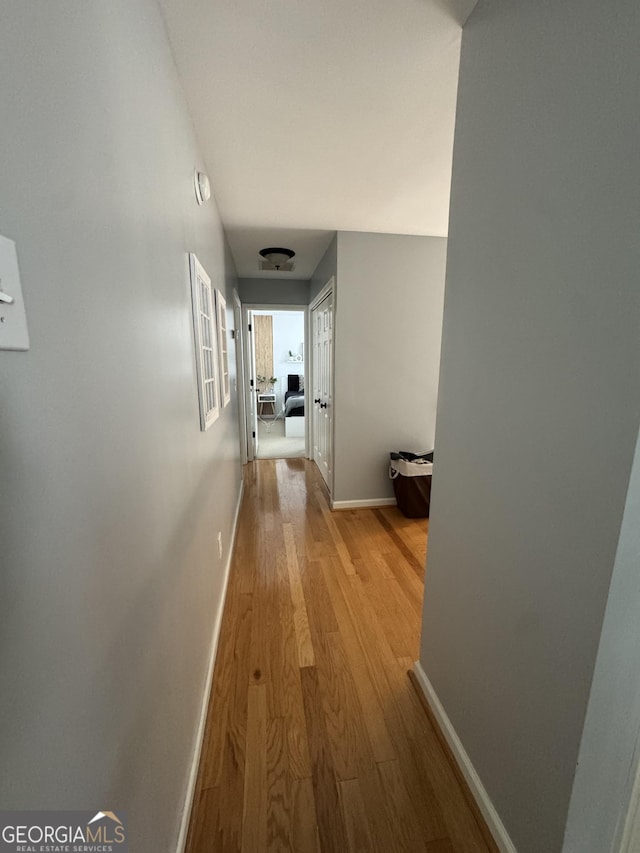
(223, 348)
(204, 326)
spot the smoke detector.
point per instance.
(202, 187)
(277, 259)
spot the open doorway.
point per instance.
(276, 368)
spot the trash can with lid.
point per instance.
(411, 474)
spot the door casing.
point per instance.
(328, 289)
(240, 374)
(247, 309)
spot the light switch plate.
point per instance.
(13, 319)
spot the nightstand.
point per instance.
(267, 399)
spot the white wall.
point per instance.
(539, 399)
(327, 267)
(273, 291)
(110, 497)
(387, 354)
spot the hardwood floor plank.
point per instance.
(331, 828)
(264, 483)
(404, 549)
(354, 613)
(318, 538)
(412, 587)
(382, 816)
(228, 697)
(265, 558)
(341, 709)
(322, 618)
(373, 564)
(414, 531)
(374, 718)
(207, 833)
(403, 638)
(285, 690)
(355, 816)
(442, 845)
(297, 740)
(300, 617)
(406, 822)
(279, 638)
(340, 546)
(303, 818)
(278, 793)
(391, 605)
(373, 537)
(347, 533)
(254, 815)
(228, 750)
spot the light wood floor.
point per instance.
(316, 739)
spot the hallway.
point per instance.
(316, 739)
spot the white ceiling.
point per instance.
(316, 117)
(308, 244)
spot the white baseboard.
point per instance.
(199, 738)
(492, 819)
(363, 504)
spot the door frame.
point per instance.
(328, 289)
(246, 308)
(239, 337)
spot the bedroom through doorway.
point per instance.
(277, 368)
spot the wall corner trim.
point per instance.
(199, 737)
(373, 502)
(487, 809)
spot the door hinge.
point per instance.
(251, 382)
(254, 433)
(250, 327)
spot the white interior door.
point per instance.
(327, 360)
(322, 343)
(252, 391)
(316, 344)
(240, 375)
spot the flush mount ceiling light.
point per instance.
(202, 187)
(277, 258)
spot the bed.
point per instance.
(294, 406)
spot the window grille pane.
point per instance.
(224, 394)
(204, 316)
